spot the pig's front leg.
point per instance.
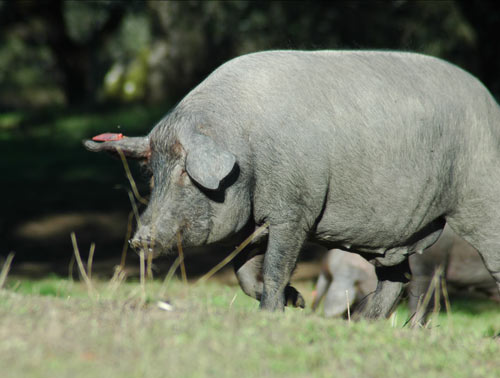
(283, 247)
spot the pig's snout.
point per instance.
(141, 243)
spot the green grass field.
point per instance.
(55, 328)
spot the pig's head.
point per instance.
(195, 188)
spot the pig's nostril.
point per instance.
(136, 244)
(140, 243)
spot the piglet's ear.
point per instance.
(206, 162)
(132, 147)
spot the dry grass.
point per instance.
(233, 254)
(83, 272)
(5, 269)
(425, 314)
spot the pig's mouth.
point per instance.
(159, 244)
(152, 247)
(142, 247)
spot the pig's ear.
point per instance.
(206, 162)
(132, 147)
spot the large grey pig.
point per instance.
(370, 151)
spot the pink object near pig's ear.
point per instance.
(107, 137)
(132, 147)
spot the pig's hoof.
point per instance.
(294, 298)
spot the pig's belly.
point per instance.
(385, 243)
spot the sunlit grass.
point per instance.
(54, 327)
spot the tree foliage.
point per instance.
(81, 52)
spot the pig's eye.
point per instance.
(146, 170)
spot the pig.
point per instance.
(345, 279)
(368, 151)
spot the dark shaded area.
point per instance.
(484, 17)
(74, 59)
(71, 70)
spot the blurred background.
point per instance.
(73, 69)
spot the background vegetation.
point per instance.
(72, 69)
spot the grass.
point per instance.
(54, 327)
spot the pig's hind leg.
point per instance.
(382, 302)
(476, 217)
(482, 235)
